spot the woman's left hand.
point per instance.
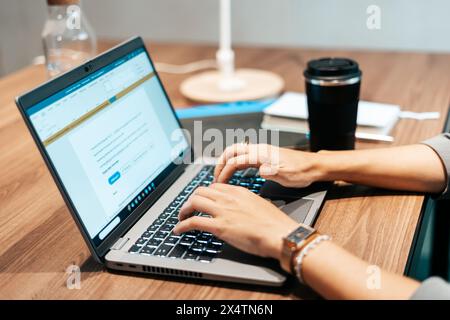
(239, 217)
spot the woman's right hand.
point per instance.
(290, 168)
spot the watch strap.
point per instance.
(292, 243)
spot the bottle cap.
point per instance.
(332, 69)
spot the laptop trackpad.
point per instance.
(297, 210)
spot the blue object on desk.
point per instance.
(223, 109)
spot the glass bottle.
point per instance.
(67, 37)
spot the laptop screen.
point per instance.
(109, 137)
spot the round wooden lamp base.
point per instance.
(256, 84)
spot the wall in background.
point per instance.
(21, 22)
(416, 25)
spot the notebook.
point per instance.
(290, 113)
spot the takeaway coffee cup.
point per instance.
(332, 89)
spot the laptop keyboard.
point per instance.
(159, 240)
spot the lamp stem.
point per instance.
(225, 25)
(228, 84)
(225, 55)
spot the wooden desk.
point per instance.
(39, 240)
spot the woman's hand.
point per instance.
(239, 217)
(290, 168)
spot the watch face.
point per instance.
(300, 234)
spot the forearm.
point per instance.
(413, 168)
(336, 274)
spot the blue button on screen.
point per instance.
(114, 178)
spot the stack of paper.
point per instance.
(290, 113)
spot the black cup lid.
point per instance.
(332, 68)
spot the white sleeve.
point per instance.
(432, 289)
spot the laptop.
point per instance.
(105, 130)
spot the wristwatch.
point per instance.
(293, 243)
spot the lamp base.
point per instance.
(257, 84)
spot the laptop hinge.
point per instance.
(119, 243)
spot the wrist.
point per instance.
(323, 165)
(333, 165)
(311, 253)
(276, 250)
(294, 242)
